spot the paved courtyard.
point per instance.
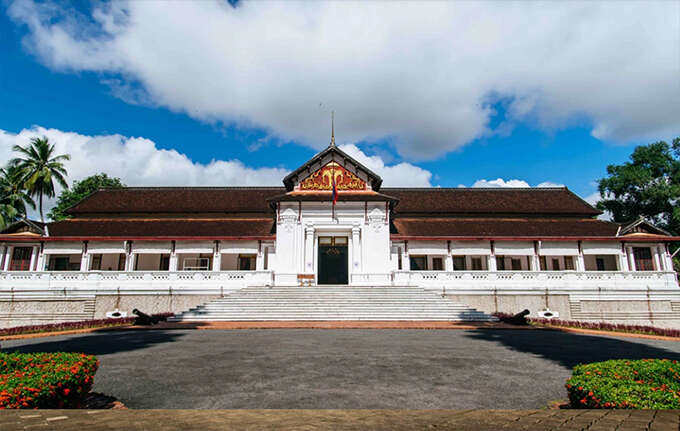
(341, 369)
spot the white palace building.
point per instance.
(305, 251)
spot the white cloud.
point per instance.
(139, 162)
(419, 72)
(399, 175)
(500, 182)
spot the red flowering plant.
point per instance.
(45, 380)
(622, 383)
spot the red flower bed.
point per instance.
(600, 326)
(45, 380)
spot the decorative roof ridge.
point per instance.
(478, 188)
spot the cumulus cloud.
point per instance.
(500, 182)
(139, 162)
(400, 175)
(422, 73)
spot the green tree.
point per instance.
(79, 191)
(40, 168)
(648, 186)
(13, 197)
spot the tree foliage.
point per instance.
(40, 168)
(648, 185)
(79, 191)
(13, 197)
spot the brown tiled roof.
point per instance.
(134, 228)
(490, 201)
(177, 200)
(502, 227)
(425, 201)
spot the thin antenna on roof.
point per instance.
(332, 129)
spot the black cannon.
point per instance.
(518, 319)
(144, 319)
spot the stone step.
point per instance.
(332, 303)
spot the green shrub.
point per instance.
(641, 384)
(45, 380)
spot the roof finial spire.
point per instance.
(332, 129)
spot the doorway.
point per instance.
(333, 260)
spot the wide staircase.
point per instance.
(332, 303)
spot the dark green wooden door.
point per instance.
(333, 264)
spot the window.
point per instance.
(643, 259)
(437, 264)
(600, 264)
(459, 263)
(59, 263)
(500, 263)
(555, 264)
(246, 262)
(418, 263)
(21, 259)
(96, 262)
(516, 264)
(164, 263)
(543, 262)
(569, 263)
(476, 263)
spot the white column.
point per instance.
(631, 259)
(130, 260)
(34, 257)
(668, 259)
(405, 262)
(491, 260)
(8, 259)
(657, 261)
(309, 250)
(535, 262)
(259, 258)
(448, 262)
(580, 261)
(3, 255)
(356, 250)
(40, 266)
(172, 265)
(217, 257)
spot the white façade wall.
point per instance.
(300, 225)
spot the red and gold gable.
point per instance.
(322, 179)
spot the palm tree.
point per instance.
(13, 197)
(40, 167)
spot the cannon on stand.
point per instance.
(144, 319)
(518, 319)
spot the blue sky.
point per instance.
(446, 135)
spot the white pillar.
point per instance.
(580, 261)
(130, 260)
(259, 258)
(356, 250)
(8, 259)
(309, 250)
(40, 266)
(217, 257)
(172, 265)
(448, 263)
(657, 261)
(34, 258)
(631, 259)
(3, 254)
(491, 263)
(668, 259)
(405, 261)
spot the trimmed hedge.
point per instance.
(45, 380)
(66, 326)
(621, 383)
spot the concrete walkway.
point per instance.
(460, 420)
(341, 368)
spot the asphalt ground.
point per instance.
(343, 368)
